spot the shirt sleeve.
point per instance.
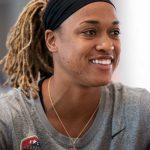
(145, 112)
(5, 123)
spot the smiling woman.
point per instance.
(80, 63)
(61, 58)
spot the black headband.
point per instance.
(57, 11)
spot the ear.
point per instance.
(50, 41)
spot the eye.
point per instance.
(115, 33)
(89, 32)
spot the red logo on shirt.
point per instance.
(30, 143)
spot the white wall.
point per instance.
(134, 68)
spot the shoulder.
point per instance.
(8, 111)
(134, 103)
(12, 97)
(129, 94)
(6, 99)
(13, 103)
(131, 97)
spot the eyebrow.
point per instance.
(115, 22)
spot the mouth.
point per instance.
(102, 60)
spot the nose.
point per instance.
(105, 43)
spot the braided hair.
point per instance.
(28, 58)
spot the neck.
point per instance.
(70, 99)
(76, 107)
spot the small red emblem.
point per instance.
(30, 143)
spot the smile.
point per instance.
(102, 62)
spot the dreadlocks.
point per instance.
(28, 57)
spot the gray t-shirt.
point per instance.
(122, 123)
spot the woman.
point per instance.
(75, 105)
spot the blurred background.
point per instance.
(133, 69)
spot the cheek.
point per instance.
(117, 53)
(74, 61)
(74, 54)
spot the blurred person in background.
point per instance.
(61, 58)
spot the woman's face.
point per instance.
(83, 46)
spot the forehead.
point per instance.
(100, 11)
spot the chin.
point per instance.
(102, 79)
(105, 83)
(101, 83)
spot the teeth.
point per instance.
(103, 62)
